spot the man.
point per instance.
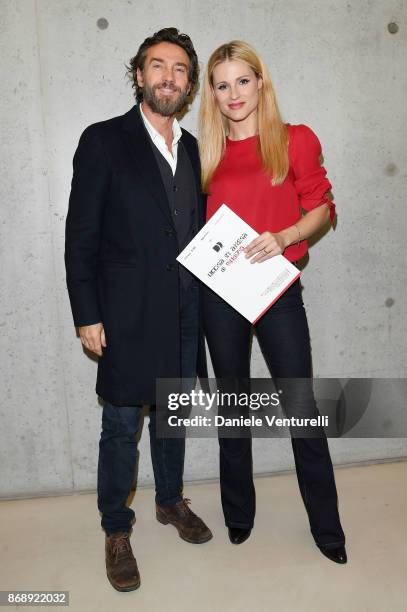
(135, 203)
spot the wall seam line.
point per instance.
(46, 159)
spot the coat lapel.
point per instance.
(145, 163)
(193, 154)
(194, 157)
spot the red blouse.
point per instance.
(240, 182)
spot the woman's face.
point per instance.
(236, 89)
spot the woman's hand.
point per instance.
(265, 246)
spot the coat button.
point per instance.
(174, 188)
(176, 211)
(170, 267)
(169, 232)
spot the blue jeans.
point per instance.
(118, 443)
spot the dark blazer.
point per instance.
(120, 250)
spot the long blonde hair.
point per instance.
(213, 126)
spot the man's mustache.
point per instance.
(167, 85)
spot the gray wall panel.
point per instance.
(335, 67)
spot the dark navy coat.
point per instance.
(120, 251)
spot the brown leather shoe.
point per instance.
(190, 527)
(121, 566)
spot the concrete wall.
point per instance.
(335, 67)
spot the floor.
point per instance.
(57, 544)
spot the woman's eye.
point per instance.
(244, 81)
(221, 87)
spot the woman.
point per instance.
(270, 174)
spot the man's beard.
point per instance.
(164, 106)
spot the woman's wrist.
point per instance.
(290, 235)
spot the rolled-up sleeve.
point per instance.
(311, 183)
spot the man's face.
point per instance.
(164, 78)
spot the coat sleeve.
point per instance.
(89, 190)
(311, 183)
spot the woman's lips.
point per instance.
(236, 105)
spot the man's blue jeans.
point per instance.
(118, 443)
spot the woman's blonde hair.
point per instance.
(273, 146)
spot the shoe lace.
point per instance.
(121, 545)
(184, 503)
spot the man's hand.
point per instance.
(93, 337)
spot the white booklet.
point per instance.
(216, 257)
